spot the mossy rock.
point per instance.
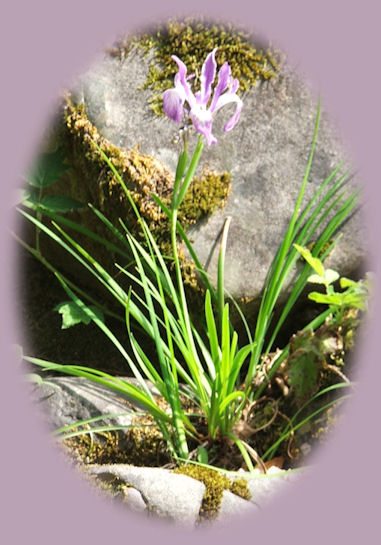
(78, 132)
(91, 181)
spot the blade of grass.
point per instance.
(221, 268)
(243, 451)
(71, 284)
(314, 324)
(84, 231)
(68, 427)
(123, 387)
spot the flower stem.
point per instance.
(189, 175)
(176, 201)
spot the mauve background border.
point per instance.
(336, 43)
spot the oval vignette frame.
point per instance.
(47, 47)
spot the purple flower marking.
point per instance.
(201, 116)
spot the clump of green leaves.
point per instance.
(46, 171)
(354, 294)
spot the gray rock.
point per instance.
(266, 154)
(133, 500)
(66, 400)
(169, 495)
(232, 506)
(179, 499)
(263, 488)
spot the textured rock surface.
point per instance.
(134, 500)
(167, 495)
(266, 154)
(233, 506)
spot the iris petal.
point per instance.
(173, 105)
(181, 81)
(204, 127)
(208, 73)
(223, 82)
(202, 121)
(226, 99)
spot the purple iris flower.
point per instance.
(201, 116)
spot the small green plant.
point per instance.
(354, 294)
(72, 314)
(201, 363)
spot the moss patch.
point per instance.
(215, 483)
(191, 39)
(205, 195)
(141, 445)
(240, 488)
(146, 444)
(95, 448)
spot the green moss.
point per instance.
(141, 445)
(208, 192)
(146, 445)
(112, 485)
(100, 448)
(215, 484)
(191, 40)
(240, 488)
